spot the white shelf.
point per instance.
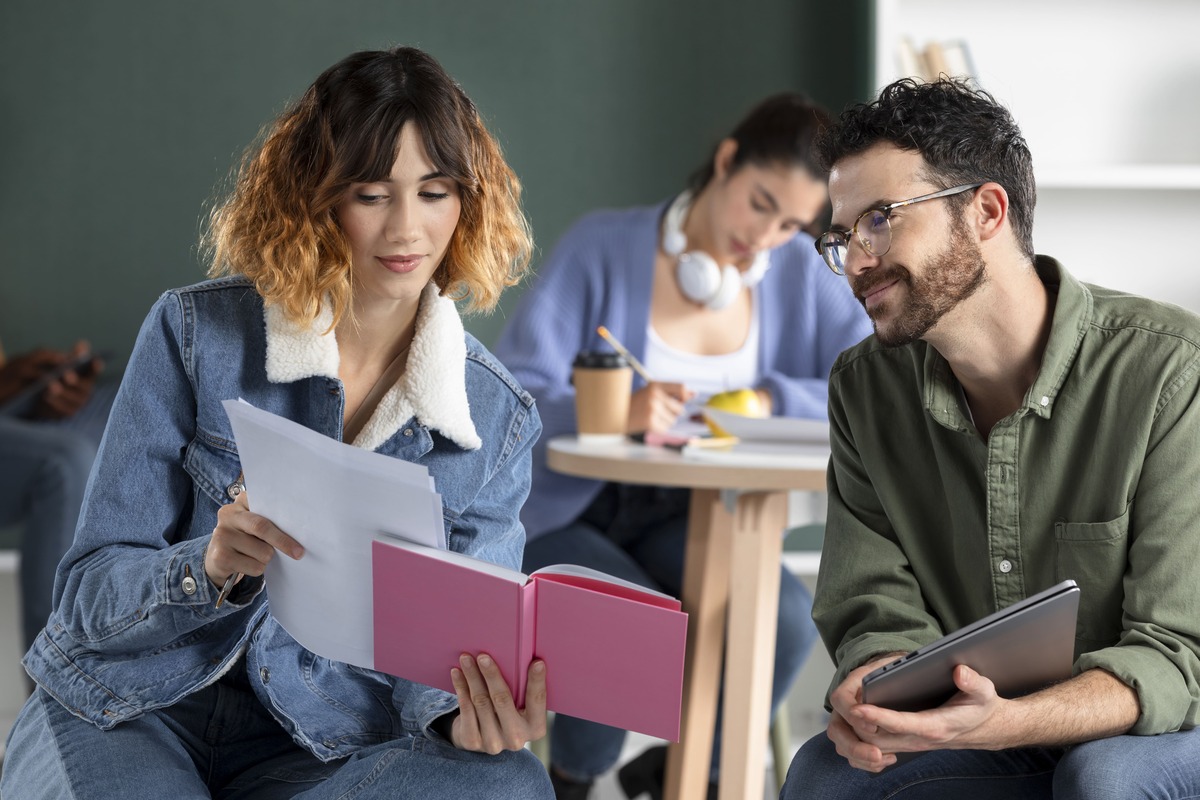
(1185, 177)
(1104, 92)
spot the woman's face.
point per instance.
(400, 226)
(757, 207)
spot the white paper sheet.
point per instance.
(334, 499)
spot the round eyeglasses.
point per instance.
(872, 229)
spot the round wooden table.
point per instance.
(736, 521)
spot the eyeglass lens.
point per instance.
(874, 233)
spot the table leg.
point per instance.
(705, 599)
(750, 654)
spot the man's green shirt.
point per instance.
(1096, 477)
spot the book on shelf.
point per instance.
(935, 62)
(937, 59)
(957, 58)
(909, 60)
(613, 651)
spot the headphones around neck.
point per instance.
(699, 276)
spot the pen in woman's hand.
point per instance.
(606, 334)
(229, 582)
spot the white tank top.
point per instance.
(705, 375)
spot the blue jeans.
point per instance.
(221, 742)
(1165, 766)
(44, 468)
(639, 534)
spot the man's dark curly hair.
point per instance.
(964, 135)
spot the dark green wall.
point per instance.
(121, 117)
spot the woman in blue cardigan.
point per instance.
(716, 289)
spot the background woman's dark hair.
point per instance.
(278, 225)
(779, 130)
(963, 134)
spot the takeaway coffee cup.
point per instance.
(603, 382)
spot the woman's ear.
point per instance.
(990, 210)
(723, 158)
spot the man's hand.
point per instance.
(488, 720)
(847, 730)
(657, 406)
(970, 720)
(869, 736)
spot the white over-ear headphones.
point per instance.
(699, 277)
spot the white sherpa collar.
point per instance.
(433, 388)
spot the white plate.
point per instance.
(777, 430)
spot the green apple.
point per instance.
(745, 402)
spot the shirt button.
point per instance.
(265, 675)
(1006, 566)
(408, 432)
(188, 585)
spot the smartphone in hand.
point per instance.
(22, 404)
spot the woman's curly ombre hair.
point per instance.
(278, 228)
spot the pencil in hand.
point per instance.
(620, 348)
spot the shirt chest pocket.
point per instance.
(1096, 556)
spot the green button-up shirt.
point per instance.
(1094, 478)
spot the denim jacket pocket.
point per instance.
(215, 469)
(1095, 555)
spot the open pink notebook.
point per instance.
(614, 651)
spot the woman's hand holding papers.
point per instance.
(243, 542)
(488, 720)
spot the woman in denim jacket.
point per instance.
(371, 203)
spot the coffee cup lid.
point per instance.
(600, 360)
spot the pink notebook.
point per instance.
(614, 651)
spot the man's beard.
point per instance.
(949, 278)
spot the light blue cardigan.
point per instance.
(600, 273)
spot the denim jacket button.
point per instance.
(188, 584)
(408, 432)
(265, 675)
(234, 489)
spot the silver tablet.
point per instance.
(1021, 648)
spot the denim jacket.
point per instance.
(134, 627)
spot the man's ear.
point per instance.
(989, 211)
(723, 158)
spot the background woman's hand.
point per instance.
(657, 406)
(488, 719)
(243, 542)
(65, 396)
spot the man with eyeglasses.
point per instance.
(1006, 428)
